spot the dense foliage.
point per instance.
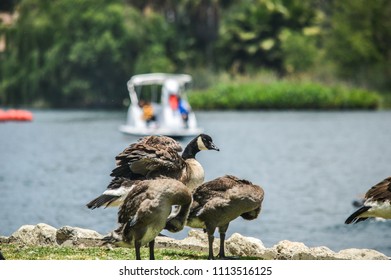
(282, 96)
(70, 53)
(360, 41)
(80, 53)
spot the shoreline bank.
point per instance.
(237, 245)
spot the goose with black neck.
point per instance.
(142, 161)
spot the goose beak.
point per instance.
(213, 147)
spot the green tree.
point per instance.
(154, 56)
(359, 41)
(194, 25)
(70, 53)
(252, 32)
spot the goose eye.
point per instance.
(206, 139)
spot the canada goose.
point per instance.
(144, 212)
(152, 159)
(218, 202)
(377, 203)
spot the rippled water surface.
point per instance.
(311, 165)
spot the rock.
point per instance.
(4, 239)
(360, 254)
(74, 236)
(239, 245)
(38, 235)
(196, 241)
(287, 250)
(322, 253)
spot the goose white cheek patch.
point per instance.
(201, 144)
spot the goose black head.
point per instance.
(201, 142)
(205, 142)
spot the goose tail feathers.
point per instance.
(355, 217)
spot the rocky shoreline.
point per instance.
(238, 245)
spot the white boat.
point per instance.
(164, 92)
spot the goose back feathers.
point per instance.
(220, 201)
(377, 203)
(147, 145)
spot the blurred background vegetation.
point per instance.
(80, 53)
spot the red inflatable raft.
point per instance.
(15, 115)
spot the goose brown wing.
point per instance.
(213, 189)
(155, 141)
(153, 163)
(161, 142)
(132, 202)
(380, 192)
(220, 190)
(140, 161)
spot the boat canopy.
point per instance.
(156, 87)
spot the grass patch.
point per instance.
(21, 252)
(284, 95)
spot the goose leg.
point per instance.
(137, 246)
(152, 250)
(211, 238)
(222, 231)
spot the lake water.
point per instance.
(312, 165)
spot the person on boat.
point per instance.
(184, 110)
(148, 112)
(173, 100)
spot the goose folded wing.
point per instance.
(148, 142)
(156, 163)
(380, 192)
(132, 153)
(210, 189)
(205, 194)
(133, 200)
(161, 142)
